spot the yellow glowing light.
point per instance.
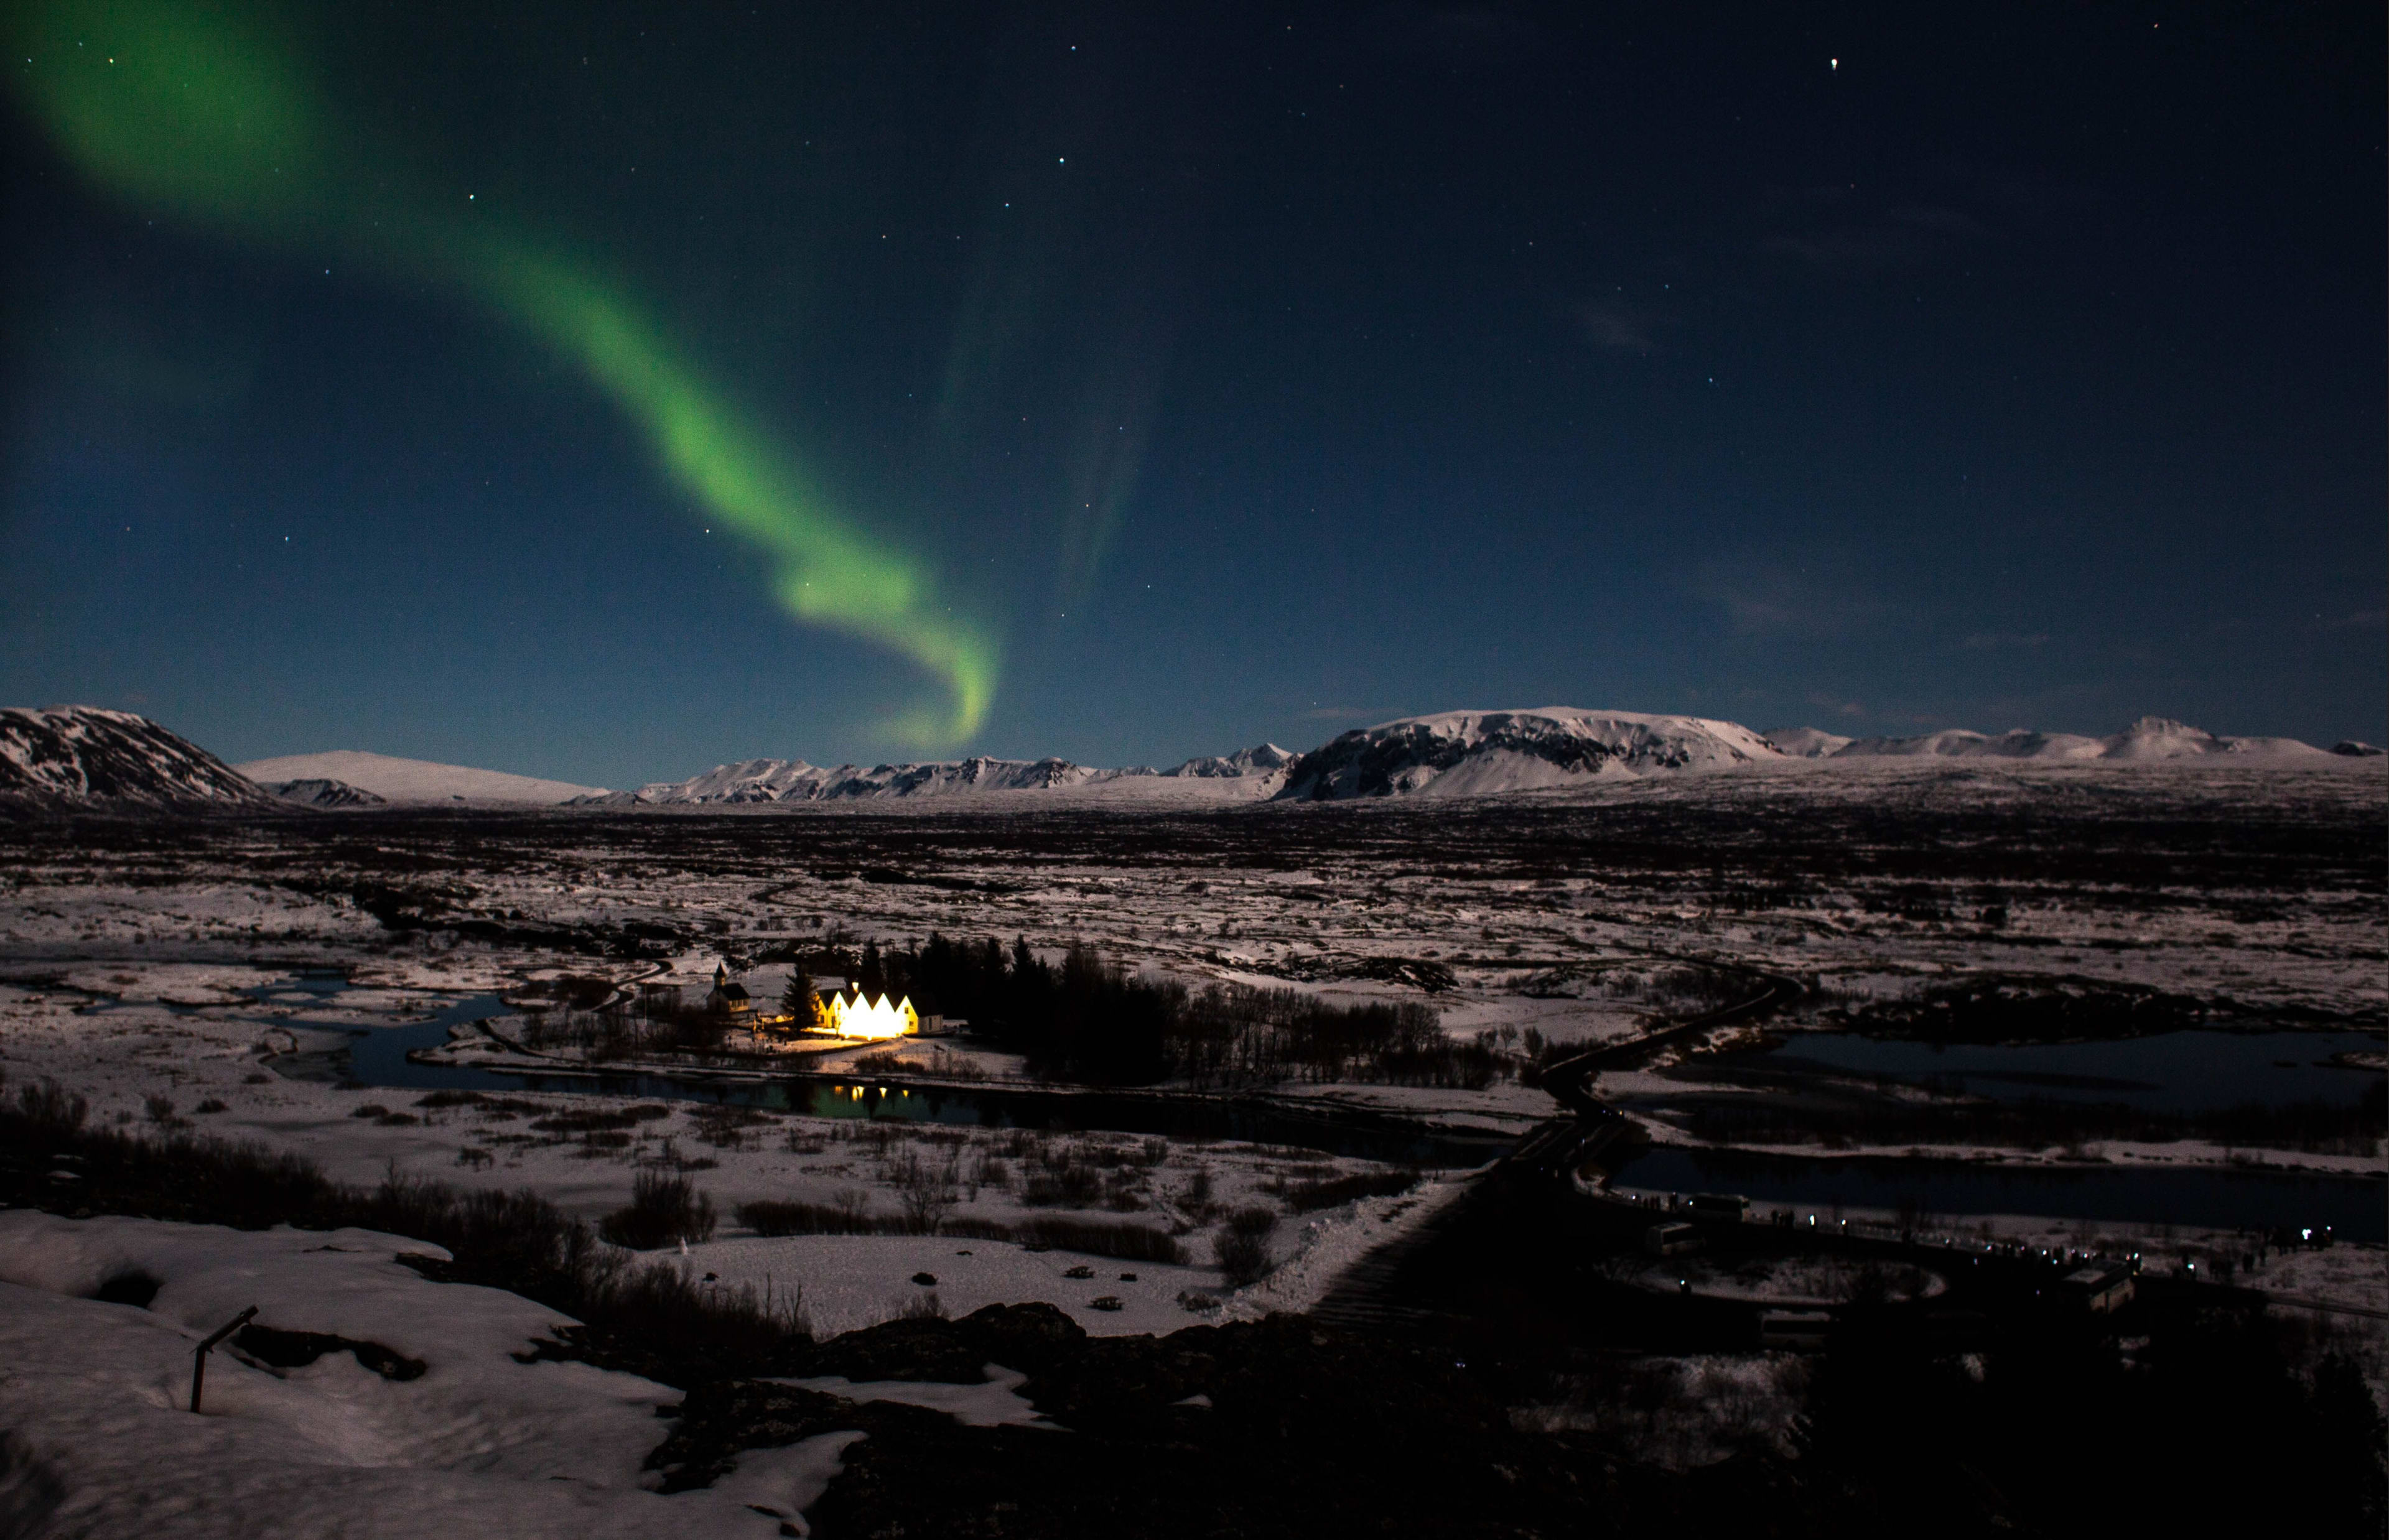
(863, 1017)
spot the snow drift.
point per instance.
(100, 1440)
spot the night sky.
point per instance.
(606, 392)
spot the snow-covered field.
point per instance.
(205, 974)
(159, 961)
(1580, 916)
(95, 1397)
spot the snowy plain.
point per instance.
(167, 962)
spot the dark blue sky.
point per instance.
(1251, 374)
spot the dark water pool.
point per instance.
(2208, 1197)
(2172, 1072)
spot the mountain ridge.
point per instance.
(752, 781)
(91, 755)
(415, 781)
(94, 755)
(1481, 753)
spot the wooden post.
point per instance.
(199, 1353)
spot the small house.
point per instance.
(1671, 1240)
(1794, 1330)
(2101, 1288)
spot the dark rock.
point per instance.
(297, 1349)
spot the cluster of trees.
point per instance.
(1089, 1019)
(663, 1021)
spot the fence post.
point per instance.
(199, 1353)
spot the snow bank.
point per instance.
(856, 1280)
(93, 1400)
(996, 1403)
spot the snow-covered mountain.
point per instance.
(1268, 759)
(2163, 738)
(316, 792)
(1957, 742)
(2151, 739)
(1475, 753)
(1807, 743)
(414, 781)
(87, 753)
(91, 755)
(754, 781)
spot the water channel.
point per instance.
(2169, 1071)
(2200, 1197)
(2212, 1197)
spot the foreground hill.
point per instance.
(1475, 753)
(413, 780)
(86, 754)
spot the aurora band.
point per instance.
(183, 111)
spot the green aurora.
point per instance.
(192, 114)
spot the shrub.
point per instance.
(1255, 1222)
(773, 1216)
(1241, 1247)
(725, 1128)
(651, 1316)
(1242, 1259)
(1130, 1242)
(212, 1105)
(662, 1210)
(927, 1190)
(1334, 1192)
(597, 1121)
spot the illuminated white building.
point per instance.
(859, 1016)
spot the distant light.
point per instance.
(1836, 63)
